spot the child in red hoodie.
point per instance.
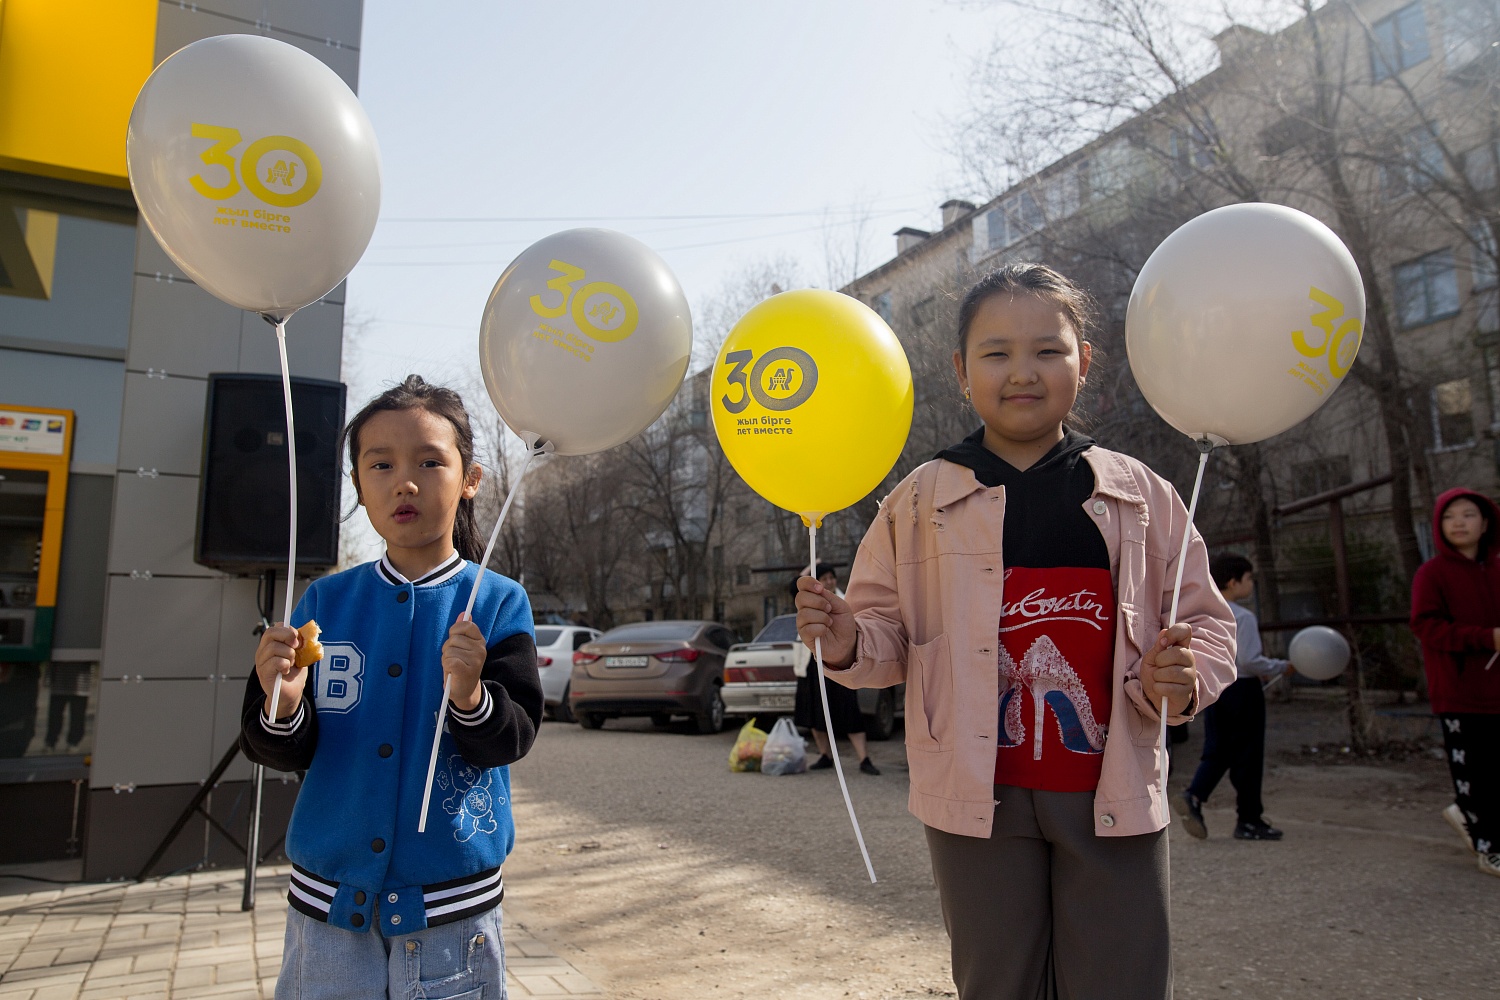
(1455, 612)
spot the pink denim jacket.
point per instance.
(926, 589)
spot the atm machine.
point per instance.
(35, 448)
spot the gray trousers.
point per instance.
(1045, 910)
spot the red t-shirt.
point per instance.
(1057, 644)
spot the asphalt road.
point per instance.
(669, 877)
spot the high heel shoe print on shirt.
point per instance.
(1053, 684)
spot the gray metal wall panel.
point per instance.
(162, 514)
(339, 295)
(90, 300)
(151, 259)
(162, 628)
(92, 388)
(124, 828)
(81, 570)
(178, 26)
(179, 328)
(162, 426)
(153, 732)
(314, 343)
(229, 697)
(343, 61)
(338, 20)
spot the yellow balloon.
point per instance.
(812, 400)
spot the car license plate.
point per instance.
(625, 661)
(776, 701)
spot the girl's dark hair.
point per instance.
(1030, 279)
(415, 393)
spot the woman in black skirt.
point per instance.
(843, 703)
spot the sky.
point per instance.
(721, 134)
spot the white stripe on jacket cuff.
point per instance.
(286, 728)
(480, 712)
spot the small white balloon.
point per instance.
(585, 340)
(256, 169)
(1319, 652)
(1243, 322)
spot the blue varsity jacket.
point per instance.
(363, 733)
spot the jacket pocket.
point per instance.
(929, 695)
(1139, 633)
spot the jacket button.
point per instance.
(358, 920)
(395, 919)
(1100, 507)
(1107, 820)
(386, 750)
(359, 899)
(394, 670)
(401, 597)
(377, 845)
(392, 898)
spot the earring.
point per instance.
(966, 395)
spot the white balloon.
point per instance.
(1243, 322)
(256, 169)
(585, 340)
(1319, 652)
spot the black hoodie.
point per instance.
(1045, 523)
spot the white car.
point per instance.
(760, 679)
(554, 663)
(760, 676)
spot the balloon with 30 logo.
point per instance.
(1244, 321)
(256, 169)
(585, 340)
(811, 400)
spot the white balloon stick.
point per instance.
(291, 462)
(812, 544)
(468, 615)
(1491, 662)
(1204, 447)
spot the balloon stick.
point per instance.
(1492, 658)
(812, 544)
(1204, 447)
(531, 452)
(291, 464)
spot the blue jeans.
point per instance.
(464, 960)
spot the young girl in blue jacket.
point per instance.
(378, 909)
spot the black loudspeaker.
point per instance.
(242, 495)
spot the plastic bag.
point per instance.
(745, 754)
(784, 752)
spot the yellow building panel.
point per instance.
(69, 73)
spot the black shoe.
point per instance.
(1190, 808)
(868, 767)
(823, 763)
(1258, 830)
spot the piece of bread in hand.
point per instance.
(311, 650)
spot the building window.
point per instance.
(1312, 478)
(1491, 356)
(1480, 166)
(1426, 289)
(1191, 149)
(1485, 278)
(1466, 26)
(882, 306)
(1398, 42)
(1421, 165)
(742, 575)
(924, 312)
(1452, 415)
(1017, 217)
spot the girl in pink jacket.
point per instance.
(1019, 584)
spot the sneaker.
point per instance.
(823, 763)
(1455, 817)
(1190, 808)
(1489, 864)
(868, 767)
(1258, 830)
